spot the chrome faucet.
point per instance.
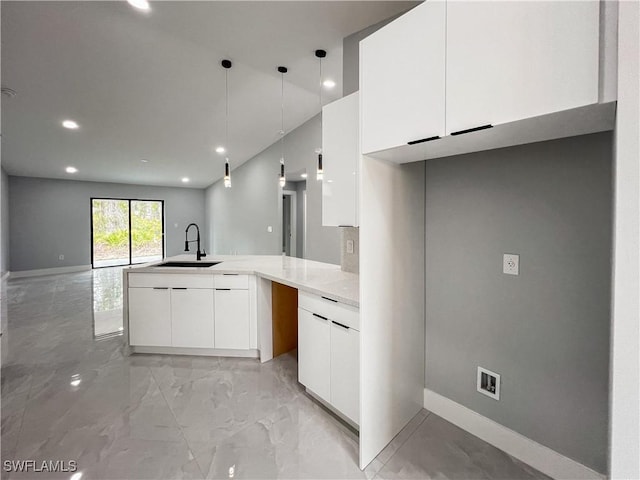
(199, 254)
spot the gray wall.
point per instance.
(52, 217)
(546, 332)
(238, 217)
(4, 221)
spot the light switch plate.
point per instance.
(511, 264)
(270, 229)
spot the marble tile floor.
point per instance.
(67, 396)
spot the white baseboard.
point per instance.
(49, 271)
(524, 449)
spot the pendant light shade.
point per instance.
(226, 64)
(282, 179)
(227, 174)
(320, 54)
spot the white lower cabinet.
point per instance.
(185, 310)
(329, 352)
(232, 319)
(150, 317)
(314, 353)
(345, 370)
(192, 318)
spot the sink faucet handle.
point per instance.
(203, 254)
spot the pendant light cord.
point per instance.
(282, 113)
(226, 126)
(320, 84)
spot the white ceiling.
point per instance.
(150, 86)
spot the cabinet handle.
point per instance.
(340, 325)
(422, 140)
(223, 289)
(231, 274)
(179, 288)
(474, 129)
(345, 225)
(161, 288)
(330, 299)
(320, 316)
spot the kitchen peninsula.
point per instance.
(229, 309)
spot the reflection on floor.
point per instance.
(107, 301)
(66, 396)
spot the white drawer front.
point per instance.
(228, 280)
(347, 315)
(176, 280)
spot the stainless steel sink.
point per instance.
(187, 264)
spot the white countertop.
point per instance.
(308, 275)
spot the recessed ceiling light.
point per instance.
(329, 83)
(140, 4)
(185, 179)
(220, 150)
(70, 124)
(303, 175)
(71, 170)
(144, 160)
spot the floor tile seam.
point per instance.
(384, 464)
(191, 451)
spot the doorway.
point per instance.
(126, 231)
(289, 220)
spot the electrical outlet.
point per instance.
(349, 246)
(511, 264)
(60, 257)
(270, 229)
(488, 383)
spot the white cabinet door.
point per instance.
(232, 319)
(149, 317)
(314, 355)
(345, 370)
(518, 59)
(340, 160)
(402, 79)
(192, 318)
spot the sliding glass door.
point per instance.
(124, 232)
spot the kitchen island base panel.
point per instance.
(207, 352)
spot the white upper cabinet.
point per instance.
(340, 159)
(402, 79)
(511, 60)
(534, 70)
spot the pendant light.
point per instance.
(226, 64)
(320, 54)
(283, 178)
